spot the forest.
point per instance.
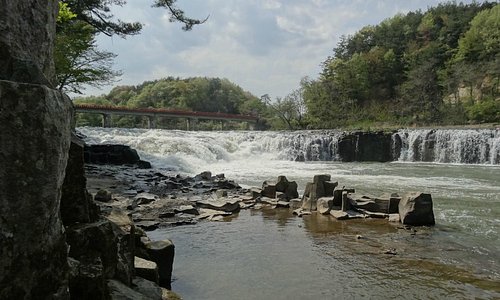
(438, 67)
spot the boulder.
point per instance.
(291, 190)
(111, 154)
(146, 269)
(281, 184)
(394, 218)
(416, 209)
(162, 253)
(35, 132)
(268, 189)
(324, 205)
(103, 196)
(147, 288)
(205, 175)
(329, 187)
(120, 291)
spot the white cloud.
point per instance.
(265, 46)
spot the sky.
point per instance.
(264, 46)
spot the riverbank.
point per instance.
(360, 242)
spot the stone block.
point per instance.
(416, 209)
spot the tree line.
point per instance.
(437, 67)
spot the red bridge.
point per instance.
(152, 113)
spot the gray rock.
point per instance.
(27, 34)
(416, 209)
(394, 218)
(329, 187)
(268, 189)
(291, 190)
(146, 269)
(205, 175)
(187, 209)
(228, 205)
(35, 136)
(324, 205)
(221, 193)
(103, 196)
(295, 203)
(144, 198)
(147, 288)
(119, 291)
(162, 253)
(282, 204)
(76, 202)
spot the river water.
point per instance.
(270, 254)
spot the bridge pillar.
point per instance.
(191, 124)
(106, 120)
(151, 122)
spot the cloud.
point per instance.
(265, 46)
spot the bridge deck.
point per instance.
(158, 112)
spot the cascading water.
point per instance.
(466, 146)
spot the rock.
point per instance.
(210, 214)
(375, 215)
(339, 215)
(344, 215)
(146, 269)
(281, 184)
(142, 164)
(365, 146)
(255, 192)
(76, 202)
(26, 44)
(228, 205)
(300, 212)
(162, 253)
(205, 175)
(119, 291)
(282, 204)
(147, 288)
(295, 203)
(324, 205)
(103, 196)
(329, 187)
(148, 225)
(221, 193)
(416, 209)
(281, 196)
(268, 189)
(321, 178)
(394, 218)
(86, 280)
(144, 198)
(111, 155)
(35, 133)
(345, 202)
(291, 190)
(187, 209)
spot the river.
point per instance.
(270, 254)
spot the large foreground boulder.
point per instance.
(34, 142)
(416, 209)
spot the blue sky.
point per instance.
(265, 46)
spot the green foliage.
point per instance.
(407, 69)
(485, 111)
(77, 59)
(190, 94)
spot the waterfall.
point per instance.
(466, 146)
(192, 149)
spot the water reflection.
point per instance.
(271, 254)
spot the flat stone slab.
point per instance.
(187, 209)
(211, 213)
(346, 215)
(227, 205)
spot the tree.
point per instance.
(290, 110)
(77, 58)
